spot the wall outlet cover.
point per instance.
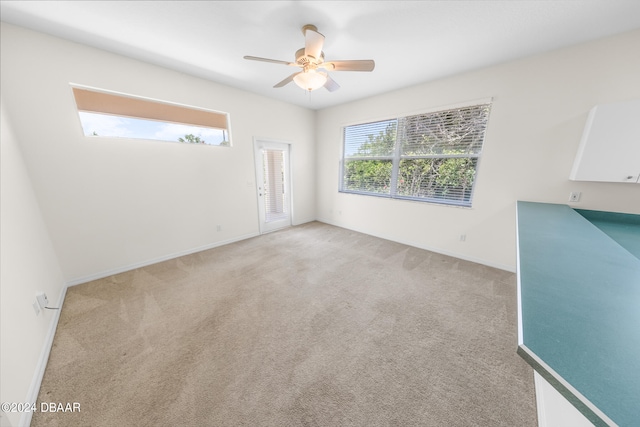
(574, 196)
(42, 299)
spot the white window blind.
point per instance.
(427, 157)
(370, 139)
(369, 148)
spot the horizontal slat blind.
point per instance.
(438, 179)
(371, 176)
(444, 133)
(427, 157)
(375, 139)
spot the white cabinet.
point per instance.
(554, 409)
(610, 147)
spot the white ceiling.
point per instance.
(410, 41)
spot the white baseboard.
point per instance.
(425, 247)
(303, 221)
(36, 381)
(111, 272)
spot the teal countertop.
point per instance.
(623, 228)
(579, 306)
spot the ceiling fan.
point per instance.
(314, 69)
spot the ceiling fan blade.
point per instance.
(331, 85)
(274, 61)
(352, 65)
(287, 80)
(313, 42)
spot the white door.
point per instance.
(274, 186)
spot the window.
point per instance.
(430, 157)
(105, 114)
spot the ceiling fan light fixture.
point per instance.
(310, 79)
(311, 58)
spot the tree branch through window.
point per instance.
(429, 157)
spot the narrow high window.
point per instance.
(105, 114)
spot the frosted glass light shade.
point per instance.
(310, 80)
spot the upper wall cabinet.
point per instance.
(610, 146)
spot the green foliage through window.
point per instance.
(373, 176)
(428, 157)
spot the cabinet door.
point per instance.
(610, 147)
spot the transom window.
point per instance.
(104, 114)
(430, 157)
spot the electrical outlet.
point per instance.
(574, 196)
(218, 227)
(463, 237)
(42, 299)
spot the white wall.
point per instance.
(540, 106)
(29, 265)
(111, 204)
(77, 208)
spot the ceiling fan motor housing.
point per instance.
(306, 60)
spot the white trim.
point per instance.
(152, 100)
(391, 116)
(292, 214)
(569, 387)
(542, 416)
(554, 410)
(397, 156)
(518, 283)
(304, 221)
(421, 246)
(107, 273)
(285, 147)
(36, 381)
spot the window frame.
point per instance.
(396, 158)
(112, 103)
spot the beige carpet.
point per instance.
(310, 326)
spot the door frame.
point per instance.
(258, 145)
